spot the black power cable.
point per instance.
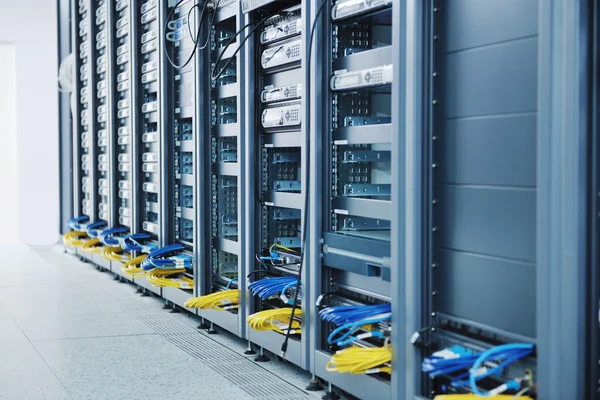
(306, 202)
(168, 19)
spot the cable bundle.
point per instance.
(130, 243)
(269, 287)
(359, 360)
(174, 278)
(92, 246)
(277, 319)
(94, 229)
(162, 258)
(132, 268)
(224, 300)
(115, 254)
(75, 223)
(75, 238)
(351, 319)
(108, 238)
(476, 366)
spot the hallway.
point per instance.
(68, 331)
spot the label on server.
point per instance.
(101, 35)
(147, 6)
(148, 36)
(364, 78)
(148, 47)
(125, 194)
(281, 116)
(123, 131)
(349, 8)
(124, 167)
(150, 107)
(122, 49)
(150, 77)
(102, 158)
(103, 117)
(122, 22)
(103, 167)
(100, 19)
(124, 158)
(102, 93)
(121, 32)
(124, 113)
(123, 104)
(282, 54)
(101, 84)
(150, 187)
(150, 157)
(150, 137)
(100, 44)
(124, 185)
(149, 66)
(125, 221)
(101, 68)
(84, 69)
(148, 17)
(102, 109)
(271, 94)
(102, 142)
(125, 211)
(150, 227)
(121, 4)
(102, 134)
(150, 167)
(103, 182)
(123, 76)
(281, 31)
(123, 140)
(123, 86)
(123, 59)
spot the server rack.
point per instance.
(179, 155)
(277, 136)
(148, 122)
(481, 216)
(224, 133)
(84, 139)
(356, 138)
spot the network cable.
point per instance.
(162, 258)
(75, 223)
(269, 287)
(132, 267)
(468, 364)
(92, 246)
(307, 173)
(131, 243)
(114, 253)
(223, 300)
(361, 360)
(351, 319)
(108, 236)
(174, 278)
(75, 238)
(277, 319)
(94, 229)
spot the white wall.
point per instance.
(32, 26)
(9, 200)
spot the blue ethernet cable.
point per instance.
(75, 223)
(106, 236)
(230, 282)
(518, 351)
(268, 287)
(130, 243)
(93, 230)
(159, 258)
(350, 328)
(340, 315)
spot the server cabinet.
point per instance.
(84, 143)
(354, 184)
(222, 172)
(276, 141)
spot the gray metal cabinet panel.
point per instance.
(491, 291)
(473, 23)
(493, 221)
(489, 151)
(493, 80)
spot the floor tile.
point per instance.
(25, 376)
(133, 367)
(82, 326)
(10, 331)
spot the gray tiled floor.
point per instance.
(68, 331)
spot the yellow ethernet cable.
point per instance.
(91, 246)
(160, 277)
(224, 300)
(115, 254)
(132, 268)
(361, 360)
(277, 320)
(75, 238)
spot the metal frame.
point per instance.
(562, 205)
